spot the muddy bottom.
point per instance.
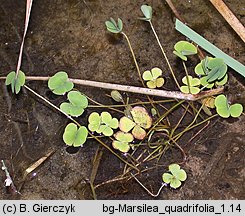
(71, 36)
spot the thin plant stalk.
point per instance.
(177, 136)
(130, 104)
(52, 105)
(164, 54)
(137, 66)
(104, 106)
(134, 58)
(187, 76)
(164, 115)
(180, 120)
(148, 191)
(108, 148)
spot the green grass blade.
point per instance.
(209, 47)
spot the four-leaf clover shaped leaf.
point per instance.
(103, 123)
(77, 103)
(122, 141)
(141, 121)
(191, 86)
(153, 78)
(175, 177)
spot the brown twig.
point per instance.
(229, 17)
(28, 12)
(139, 90)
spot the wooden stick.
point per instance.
(229, 17)
(138, 90)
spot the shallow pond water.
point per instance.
(71, 36)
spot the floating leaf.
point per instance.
(74, 136)
(225, 110)
(103, 123)
(192, 90)
(77, 104)
(222, 106)
(194, 82)
(167, 177)
(16, 82)
(236, 110)
(114, 27)
(107, 119)
(141, 117)
(214, 68)
(94, 120)
(217, 73)
(202, 67)
(60, 84)
(176, 177)
(202, 42)
(138, 132)
(222, 81)
(183, 49)
(153, 78)
(205, 83)
(126, 124)
(147, 11)
(123, 141)
(141, 121)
